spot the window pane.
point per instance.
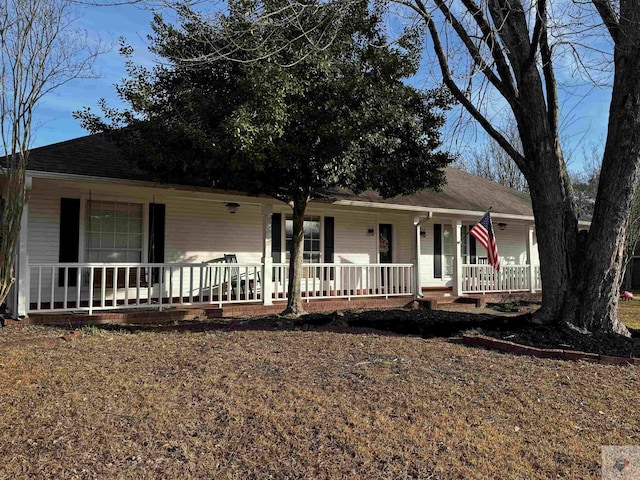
(108, 241)
(447, 250)
(93, 256)
(135, 225)
(134, 256)
(108, 223)
(122, 240)
(135, 241)
(135, 211)
(93, 240)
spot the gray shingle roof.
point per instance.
(463, 191)
(92, 155)
(95, 156)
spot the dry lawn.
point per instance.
(629, 312)
(263, 404)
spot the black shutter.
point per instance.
(276, 240)
(69, 239)
(437, 250)
(472, 249)
(329, 228)
(156, 237)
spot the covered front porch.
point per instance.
(83, 246)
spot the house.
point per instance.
(98, 235)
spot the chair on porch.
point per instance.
(243, 278)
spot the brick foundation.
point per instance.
(172, 315)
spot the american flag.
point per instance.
(483, 232)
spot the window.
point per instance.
(447, 250)
(114, 231)
(464, 247)
(311, 238)
(469, 247)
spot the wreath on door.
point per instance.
(384, 244)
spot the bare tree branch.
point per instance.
(493, 43)
(460, 95)
(609, 16)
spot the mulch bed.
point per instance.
(427, 324)
(421, 322)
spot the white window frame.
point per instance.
(285, 251)
(84, 199)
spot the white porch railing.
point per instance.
(108, 286)
(510, 278)
(344, 280)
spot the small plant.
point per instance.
(92, 330)
(472, 332)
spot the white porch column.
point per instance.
(267, 259)
(22, 270)
(532, 267)
(416, 266)
(457, 257)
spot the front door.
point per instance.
(385, 248)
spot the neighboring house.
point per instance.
(632, 274)
(98, 235)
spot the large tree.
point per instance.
(40, 50)
(510, 48)
(289, 112)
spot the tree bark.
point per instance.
(581, 272)
(294, 300)
(601, 276)
(11, 217)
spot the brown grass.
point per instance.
(297, 404)
(629, 312)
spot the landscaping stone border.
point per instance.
(519, 349)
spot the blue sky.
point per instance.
(585, 107)
(54, 121)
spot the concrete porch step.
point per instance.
(450, 303)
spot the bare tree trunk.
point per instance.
(618, 182)
(294, 300)
(11, 216)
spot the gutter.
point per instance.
(414, 208)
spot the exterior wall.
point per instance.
(512, 247)
(512, 244)
(427, 278)
(198, 229)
